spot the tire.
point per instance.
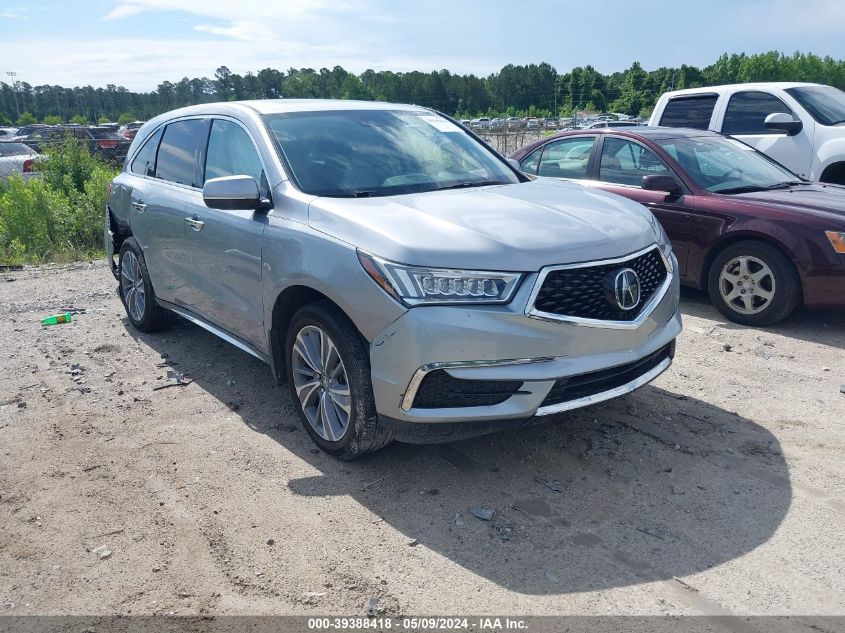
(753, 283)
(136, 290)
(337, 408)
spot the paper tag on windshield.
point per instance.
(444, 125)
(740, 145)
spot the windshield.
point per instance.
(360, 153)
(14, 149)
(825, 104)
(724, 165)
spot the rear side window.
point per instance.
(178, 154)
(567, 158)
(145, 160)
(747, 112)
(692, 112)
(231, 152)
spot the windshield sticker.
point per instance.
(440, 123)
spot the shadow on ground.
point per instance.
(648, 487)
(825, 327)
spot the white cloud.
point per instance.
(124, 11)
(244, 31)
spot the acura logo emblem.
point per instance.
(626, 289)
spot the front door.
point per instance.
(225, 246)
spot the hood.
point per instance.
(517, 227)
(821, 200)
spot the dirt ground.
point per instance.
(719, 489)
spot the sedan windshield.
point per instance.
(724, 165)
(825, 104)
(362, 153)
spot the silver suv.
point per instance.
(403, 279)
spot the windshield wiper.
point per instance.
(753, 188)
(464, 185)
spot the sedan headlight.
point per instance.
(837, 240)
(419, 285)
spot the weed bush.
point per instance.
(57, 216)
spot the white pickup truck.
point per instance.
(800, 125)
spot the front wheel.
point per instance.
(753, 283)
(328, 371)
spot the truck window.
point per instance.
(692, 111)
(747, 112)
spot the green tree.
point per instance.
(52, 119)
(125, 118)
(79, 119)
(103, 119)
(26, 118)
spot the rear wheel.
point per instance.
(329, 376)
(136, 290)
(753, 283)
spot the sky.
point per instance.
(140, 43)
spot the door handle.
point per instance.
(195, 223)
(140, 206)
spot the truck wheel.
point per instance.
(328, 367)
(752, 283)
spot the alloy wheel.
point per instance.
(132, 286)
(747, 284)
(321, 383)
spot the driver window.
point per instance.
(567, 158)
(231, 153)
(625, 162)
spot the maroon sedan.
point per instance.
(759, 239)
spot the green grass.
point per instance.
(57, 217)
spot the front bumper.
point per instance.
(502, 343)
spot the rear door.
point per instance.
(158, 205)
(225, 246)
(621, 165)
(744, 119)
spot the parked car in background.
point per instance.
(513, 123)
(17, 158)
(800, 125)
(130, 129)
(550, 124)
(758, 238)
(8, 132)
(481, 123)
(532, 123)
(390, 267)
(104, 143)
(605, 123)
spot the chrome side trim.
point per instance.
(241, 345)
(606, 395)
(648, 308)
(417, 378)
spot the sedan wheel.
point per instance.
(321, 383)
(747, 284)
(753, 283)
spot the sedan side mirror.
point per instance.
(783, 122)
(232, 193)
(658, 182)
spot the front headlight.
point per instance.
(837, 240)
(419, 285)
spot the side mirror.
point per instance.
(783, 122)
(657, 182)
(232, 193)
(515, 164)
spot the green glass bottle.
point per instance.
(57, 319)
